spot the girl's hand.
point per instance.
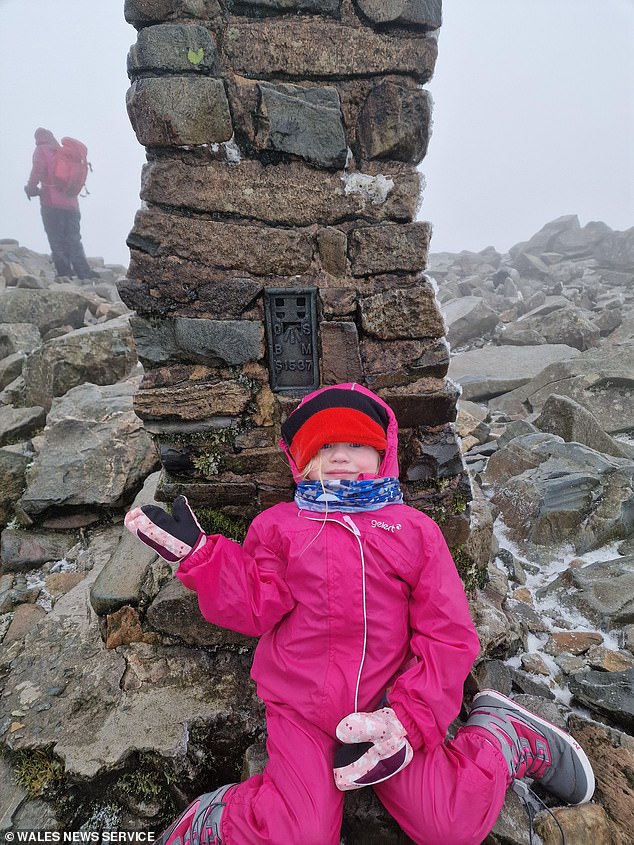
(375, 748)
(173, 537)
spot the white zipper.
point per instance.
(350, 526)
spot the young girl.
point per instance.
(365, 643)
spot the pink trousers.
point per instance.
(451, 794)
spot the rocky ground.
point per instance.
(119, 702)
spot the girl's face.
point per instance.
(343, 460)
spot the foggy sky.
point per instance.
(63, 67)
(533, 117)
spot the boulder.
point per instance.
(120, 581)
(175, 48)
(11, 368)
(611, 753)
(601, 380)
(175, 612)
(44, 309)
(95, 451)
(13, 464)
(565, 230)
(19, 423)
(99, 354)
(24, 550)
(18, 337)
(609, 693)
(567, 419)
(425, 14)
(566, 325)
(97, 707)
(395, 123)
(585, 823)
(260, 250)
(402, 313)
(388, 248)
(603, 592)
(467, 318)
(550, 492)
(489, 372)
(214, 342)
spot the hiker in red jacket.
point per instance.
(60, 211)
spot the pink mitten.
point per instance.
(375, 748)
(173, 537)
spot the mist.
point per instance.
(533, 118)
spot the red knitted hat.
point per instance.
(334, 416)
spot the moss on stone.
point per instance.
(207, 464)
(473, 576)
(149, 781)
(216, 522)
(460, 502)
(36, 770)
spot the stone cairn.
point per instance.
(277, 248)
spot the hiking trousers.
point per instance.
(452, 793)
(62, 227)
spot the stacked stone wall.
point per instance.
(277, 246)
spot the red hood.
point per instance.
(45, 137)
(389, 465)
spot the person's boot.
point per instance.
(199, 823)
(534, 748)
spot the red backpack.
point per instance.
(70, 166)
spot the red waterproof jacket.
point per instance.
(346, 608)
(40, 181)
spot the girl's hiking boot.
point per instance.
(534, 748)
(199, 823)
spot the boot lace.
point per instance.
(533, 804)
(201, 834)
(532, 762)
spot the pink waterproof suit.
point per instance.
(349, 608)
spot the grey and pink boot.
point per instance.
(534, 748)
(199, 823)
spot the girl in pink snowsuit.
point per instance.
(365, 643)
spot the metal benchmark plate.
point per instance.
(291, 337)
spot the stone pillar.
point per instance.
(277, 247)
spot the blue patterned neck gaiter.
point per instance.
(348, 496)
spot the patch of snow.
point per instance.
(624, 437)
(5, 621)
(549, 608)
(375, 188)
(64, 565)
(34, 580)
(104, 817)
(232, 152)
(453, 385)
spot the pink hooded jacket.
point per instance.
(41, 174)
(346, 608)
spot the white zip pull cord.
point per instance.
(350, 526)
(348, 520)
